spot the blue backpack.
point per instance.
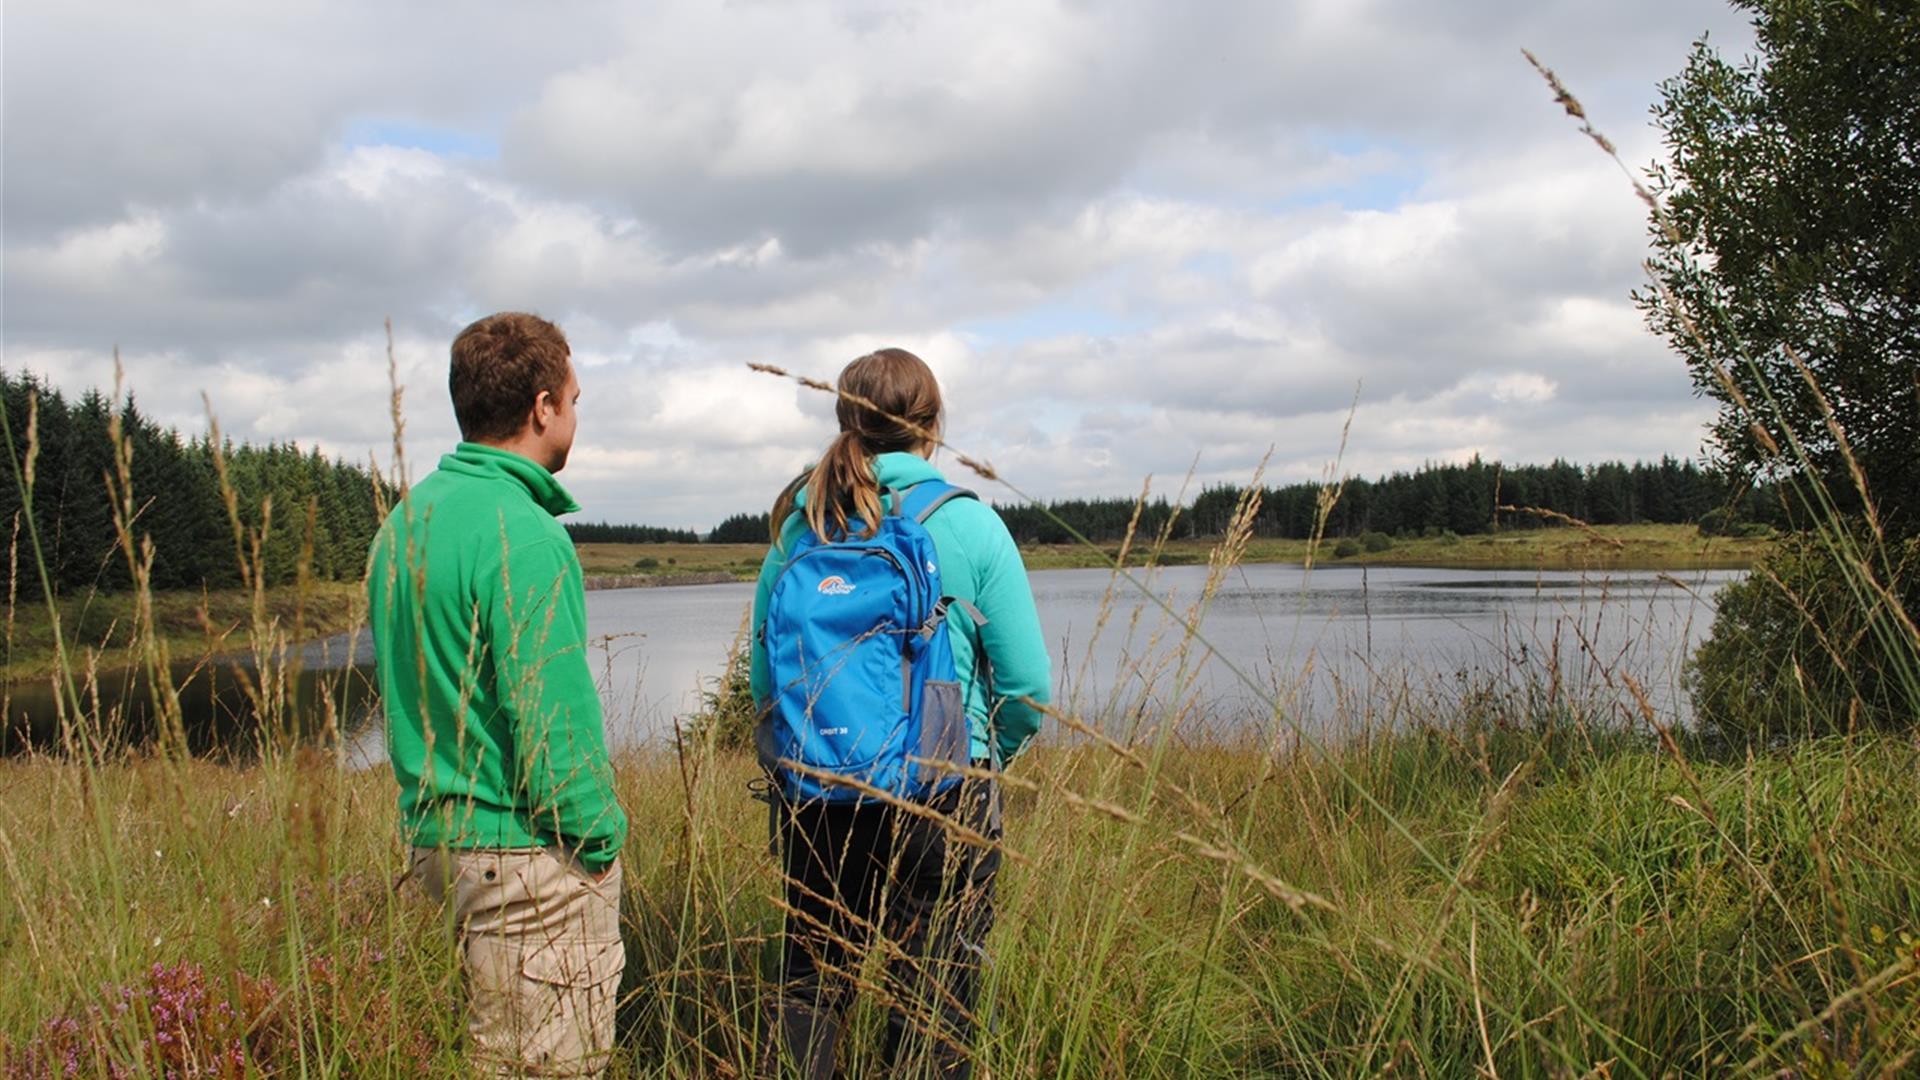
(858, 654)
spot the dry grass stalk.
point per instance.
(1906, 968)
(396, 413)
(1105, 610)
(1839, 438)
(1331, 488)
(13, 597)
(1233, 546)
(927, 435)
(955, 829)
(1479, 1004)
(1565, 99)
(1566, 519)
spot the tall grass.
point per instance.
(1630, 907)
(1519, 875)
(1497, 876)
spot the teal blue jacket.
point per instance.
(979, 563)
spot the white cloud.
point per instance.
(1523, 388)
(1125, 235)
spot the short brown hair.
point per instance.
(500, 365)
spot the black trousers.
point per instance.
(876, 877)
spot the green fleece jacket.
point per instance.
(979, 563)
(479, 631)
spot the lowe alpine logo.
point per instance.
(835, 585)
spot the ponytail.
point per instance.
(783, 506)
(889, 401)
(842, 488)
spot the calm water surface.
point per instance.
(1338, 646)
(1325, 642)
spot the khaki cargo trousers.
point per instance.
(540, 944)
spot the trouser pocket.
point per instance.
(545, 978)
(542, 1008)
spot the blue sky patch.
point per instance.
(447, 142)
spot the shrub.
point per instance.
(726, 713)
(648, 563)
(1376, 542)
(1716, 522)
(1805, 646)
(1346, 549)
(1720, 521)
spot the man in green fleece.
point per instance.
(493, 719)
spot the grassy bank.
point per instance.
(1537, 902)
(1600, 547)
(667, 561)
(192, 624)
(195, 624)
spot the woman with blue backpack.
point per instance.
(898, 663)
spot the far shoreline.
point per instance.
(330, 608)
(1604, 547)
(605, 582)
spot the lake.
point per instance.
(1339, 647)
(1331, 643)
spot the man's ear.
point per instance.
(543, 410)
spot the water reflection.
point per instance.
(325, 687)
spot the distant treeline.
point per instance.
(317, 502)
(1463, 499)
(1099, 520)
(740, 529)
(1457, 498)
(600, 532)
(1096, 518)
(330, 505)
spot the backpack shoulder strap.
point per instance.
(920, 500)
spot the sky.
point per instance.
(1133, 239)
